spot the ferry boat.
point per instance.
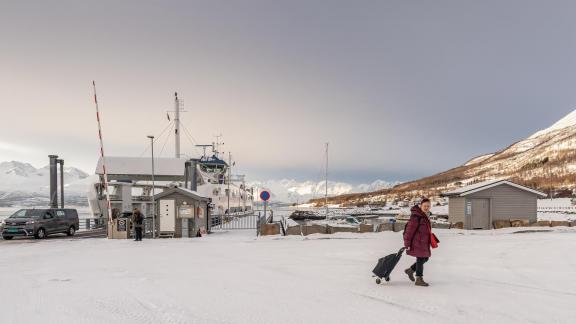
(131, 182)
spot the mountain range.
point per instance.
(292, 191)
(545, 161)
(21, 184)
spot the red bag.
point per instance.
(434, 240)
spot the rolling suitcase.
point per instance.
(385, 266)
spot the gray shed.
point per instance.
(182, 213)
(477, 206)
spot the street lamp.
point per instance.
(153, 187)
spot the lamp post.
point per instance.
(153, 187)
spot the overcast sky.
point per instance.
(400, 89)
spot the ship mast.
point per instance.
(177, 125)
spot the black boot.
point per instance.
(410, 274)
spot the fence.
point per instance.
(234, 222)
(101, 224)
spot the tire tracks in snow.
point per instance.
(537, 289)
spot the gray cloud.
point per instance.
(399, 89)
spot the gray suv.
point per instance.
(40, 223)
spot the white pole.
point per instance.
(229, 174)
(177, 124)
(102, 156)
(326, 184)
(153, 187)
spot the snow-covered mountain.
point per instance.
(21, 184)
(546, 160)
(292, 191)
(23, 177)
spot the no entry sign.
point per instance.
(265, 195)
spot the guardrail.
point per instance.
(87, 224)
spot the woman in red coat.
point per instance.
(417, 240)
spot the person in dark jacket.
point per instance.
(417, 240)
(137, 220)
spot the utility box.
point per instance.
(182, 213)
(120, 228)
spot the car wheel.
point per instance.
(71, 231)
(40, 234)
(7, 237)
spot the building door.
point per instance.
(167, 215)
(480, 214)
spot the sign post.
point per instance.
(265, 196)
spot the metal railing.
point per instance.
(88, 224)
(234, 222)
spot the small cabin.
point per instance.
(182, 213)
(479, 205)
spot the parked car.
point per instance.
(40, 223)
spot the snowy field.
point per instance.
(476, 277)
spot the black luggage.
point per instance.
(385, 266)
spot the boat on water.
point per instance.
(301, 215)
(133, 181)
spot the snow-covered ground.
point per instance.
(476, 277)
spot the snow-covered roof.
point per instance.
(140, 168)
(467, 190)
(184, 191)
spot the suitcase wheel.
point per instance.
(378, 281)
(387, 278)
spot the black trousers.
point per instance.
(419, 266)
(138, 231)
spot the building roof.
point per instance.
(467, 190)
(140, 168)
(187, 192)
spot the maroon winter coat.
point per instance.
(417, 234)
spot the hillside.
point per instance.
(545, 160)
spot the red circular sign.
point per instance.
(265, 195)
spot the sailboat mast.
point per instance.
(326, 182)
(229, 176)
(177, 124)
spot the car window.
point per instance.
(60, 213)
(71, 213)
(48, 215)
(28, 213)
(19, 214)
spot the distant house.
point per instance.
(477, 206)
